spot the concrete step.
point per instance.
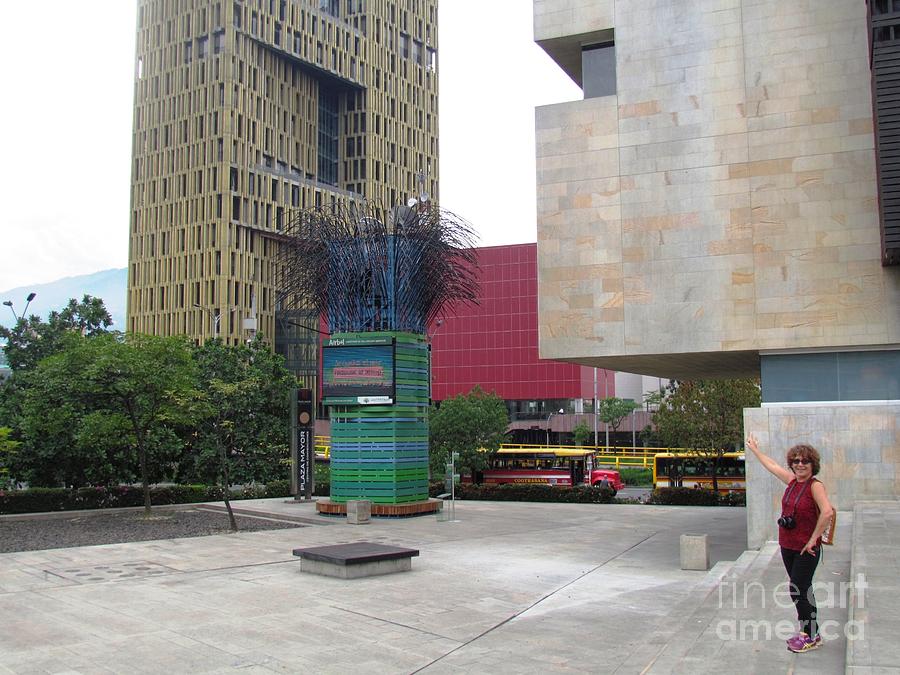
(737, 626)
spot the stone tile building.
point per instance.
(247, 109)
(714, 208)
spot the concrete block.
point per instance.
(694, 552)
(359, 511)
(371, 569)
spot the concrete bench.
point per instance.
(354, 561)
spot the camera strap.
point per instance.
(799, 494)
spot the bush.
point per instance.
(635, 477)
(515, 492)
(37, 500)
(682, 496)
(278, 488)
(733, 499)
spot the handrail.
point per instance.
(604, 450)
(322, 446)
(622, 455)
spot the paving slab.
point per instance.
(510, 587)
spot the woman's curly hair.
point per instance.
(805, 451)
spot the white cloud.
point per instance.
(67, 71)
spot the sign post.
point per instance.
(450, 481)
(302, 450)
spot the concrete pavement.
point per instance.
(509, 588)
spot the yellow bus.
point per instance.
(695, 471)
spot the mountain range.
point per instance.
(109, 285)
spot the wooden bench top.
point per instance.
(355, 554)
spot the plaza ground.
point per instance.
(507, 588)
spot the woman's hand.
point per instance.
(773, 467)
(810, 548)
(752, 444)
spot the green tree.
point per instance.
(243, 436)
(32, 339)
(582, 433)
(7, 454)
(706, 417)
(134, 387)
(57, 448)
(613, 410)
(473, 424)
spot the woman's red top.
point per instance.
(806, 516)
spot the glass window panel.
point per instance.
(838, 376)
(799, 377)
(869, 375)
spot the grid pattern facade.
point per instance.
(494, 344)
(247, 109)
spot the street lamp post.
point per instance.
(549, 417)
(215, 316)
(605, 396)
(596, 415)
(31, 296)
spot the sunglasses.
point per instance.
(801, 460)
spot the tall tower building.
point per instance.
(247, 109)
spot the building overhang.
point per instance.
(331, 78)
(693, 366)
(566, 50)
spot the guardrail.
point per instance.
(606, 455)
(322, 446)
(605, 450)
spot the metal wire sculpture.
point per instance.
(367, 268)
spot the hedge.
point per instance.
(682, 496)
(635, 476)
(527, 492)
(38, 500)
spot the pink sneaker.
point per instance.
(803, 643)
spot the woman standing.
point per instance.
(805, 513)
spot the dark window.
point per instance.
(834, 376)
(328, 138)
(598, 70)
(330, 7)
(885, 7)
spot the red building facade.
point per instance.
(495, 345)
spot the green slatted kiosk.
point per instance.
(376, 387)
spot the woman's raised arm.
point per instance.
(773, 467)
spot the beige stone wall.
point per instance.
(859, 446)
(560, 18)
(724, 200)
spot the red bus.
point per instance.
(562, 467)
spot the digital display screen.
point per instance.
(358, 374)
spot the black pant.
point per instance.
(800, 568)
